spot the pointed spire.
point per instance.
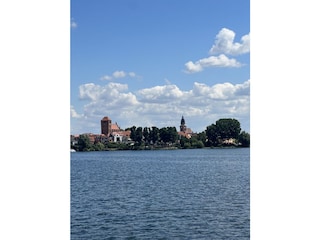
(183, 122)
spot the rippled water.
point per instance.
(162, 194)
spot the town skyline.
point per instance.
(113, 125)
(108, 126)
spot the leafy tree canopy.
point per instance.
(228, 128)
(244, 139)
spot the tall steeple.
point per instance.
(183, 126)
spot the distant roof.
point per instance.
(184, 134)
(114, 126)
(188, 130)
(122, 133)
(105, 119)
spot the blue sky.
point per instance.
(147, 63)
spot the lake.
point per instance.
(161, 194)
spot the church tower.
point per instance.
(106, 126)
(183, 126)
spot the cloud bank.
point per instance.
(163, 105)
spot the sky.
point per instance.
(148, 63)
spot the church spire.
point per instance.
(183, 121)
(183, 126)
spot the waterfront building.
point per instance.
(106, 126)
(184, 131)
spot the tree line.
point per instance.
(215, 135)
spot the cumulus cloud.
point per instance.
(224, 43)
(221, 91)
(164, 93)
(163, 105)
(242, 89)
(73, 113)
(217, 92)
(213, 61)
(118, 74)
(89, 91)
(93, 92)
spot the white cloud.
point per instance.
(213, 61)
(89, 91)
(243, 89)
(163, 105)
(161, 93)
(118, 74)
(93, 92)
(106, 77)
(73, 113)
(220, 91)
(224, 43)
(192, 68)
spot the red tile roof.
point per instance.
(115, 127)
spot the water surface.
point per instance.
(161, 194)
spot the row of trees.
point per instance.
(153, 135)
(215, 135)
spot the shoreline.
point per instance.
(161, 148)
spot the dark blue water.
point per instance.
(162, 194)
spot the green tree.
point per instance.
(84, 143)
(224, 128)
(146, 134)
(212, 135)
(173, 134)
(184, 142)
(163, 134)
(195, 143)
(199, 144)
(228, 128)
(154, 134)
(202, 137)
(139, 135)
(133, 133)
(168, 134)
(112, 145)
(99, 146)
(244, 139)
